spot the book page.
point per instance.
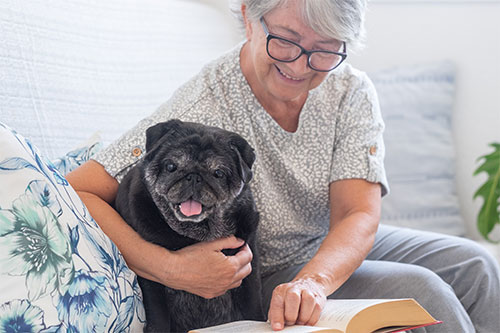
(254, 326)
(338, 312)
(337, 316)
(237, 326)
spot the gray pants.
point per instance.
(454, 278)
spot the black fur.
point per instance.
(148, 199)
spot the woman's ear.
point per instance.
(248, 25)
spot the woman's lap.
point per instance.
(455, 279)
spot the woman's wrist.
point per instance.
(154, 264)
(320, 282)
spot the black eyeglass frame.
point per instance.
(270, 37)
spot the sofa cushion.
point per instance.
(417, 106)
(58, 269)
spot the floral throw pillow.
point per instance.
(59, 271)
(76, 157)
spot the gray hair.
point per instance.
(339, 19)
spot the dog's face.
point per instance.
(194, 172)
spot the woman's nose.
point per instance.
(300, 65)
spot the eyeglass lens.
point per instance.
(285, 51)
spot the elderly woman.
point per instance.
(315, 124)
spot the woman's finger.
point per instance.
(292, 304)
(276, 314)
(307, 305)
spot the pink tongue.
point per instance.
(190, 208)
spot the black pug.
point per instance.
(192, 186)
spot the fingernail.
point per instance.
(277, 326)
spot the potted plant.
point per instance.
(489, 215)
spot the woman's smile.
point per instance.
(288, 78)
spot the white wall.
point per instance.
(406, 32)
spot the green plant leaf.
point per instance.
(489, 215)
(490, 166)
(491, 162)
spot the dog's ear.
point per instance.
(156, 132)
(246, 156)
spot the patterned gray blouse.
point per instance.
(339, 137)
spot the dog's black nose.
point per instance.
(194, 177)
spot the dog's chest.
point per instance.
(189, 311)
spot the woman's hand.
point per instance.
(355, 207)
(297, 303)
(203, 269)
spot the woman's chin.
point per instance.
(286, 89)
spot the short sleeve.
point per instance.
(359, 147)
(121, 155)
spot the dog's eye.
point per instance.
(218, 173)
(171, 167)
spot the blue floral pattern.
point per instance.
(77, 157)
(59, 271)
(20, 316)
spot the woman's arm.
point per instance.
(355, 213)
(201, 269)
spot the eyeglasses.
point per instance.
(285, 50)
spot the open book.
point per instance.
(348, 316)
